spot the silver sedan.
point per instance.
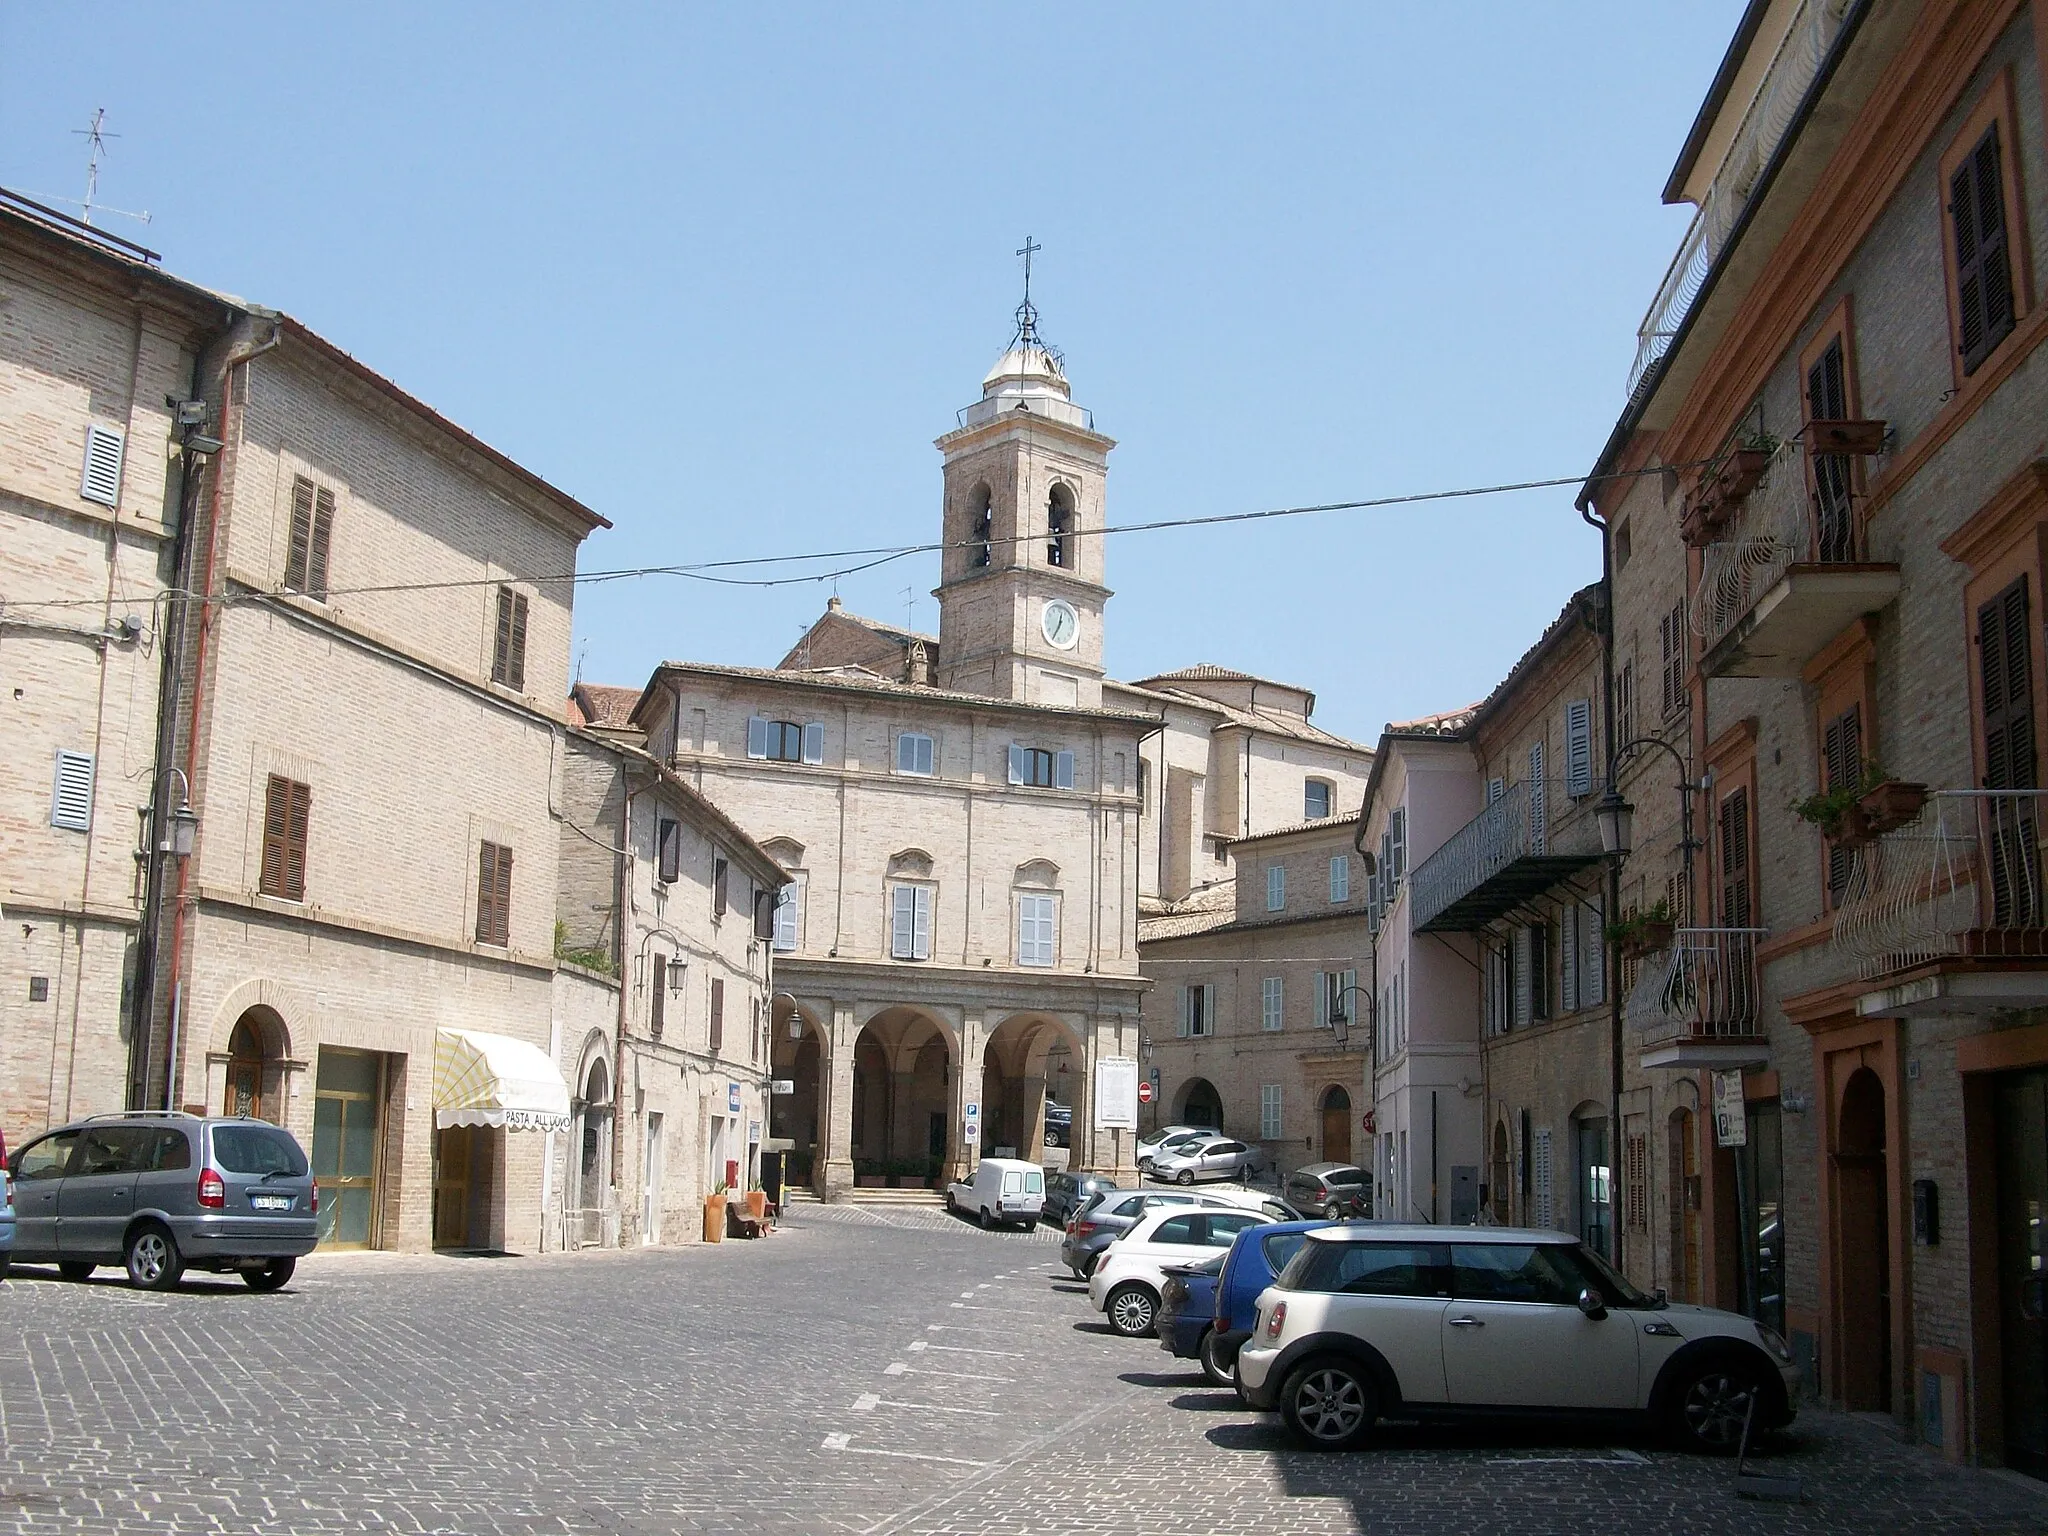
(1219, 1159)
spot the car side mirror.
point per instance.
(1591, 1304)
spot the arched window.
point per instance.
(1059, 528)
(981, 519)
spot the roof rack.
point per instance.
(138, 1114)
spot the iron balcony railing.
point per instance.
(1961, 879)
(1783, 523)
(1705, 987)
(1533, 836)
(1785, 84)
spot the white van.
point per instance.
(1002, 1189)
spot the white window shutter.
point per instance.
(1578, 748)
(105, 447)
(1495, 788)
(1181, 1026)
(1397, 832)
(1543, 1190)
(1018, 767)
(902, 921)
(1340, 878)
(1539, 830)
(1568, 972)
(757, 737)
(1063, 770)
(814, 742)
(921, 938)
(906, 753)
(1208, 1007)
(71, 799)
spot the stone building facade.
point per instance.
(664, 919)
(1824, 506)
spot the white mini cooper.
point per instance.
(1374, 1321)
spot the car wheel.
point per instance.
(1187, 1176)
(951, 1208)
(6, 1263)
(1088, 1266)
(982, 1217)
(1219, 1372)
(1132, 1310)
(1711, 1403)
(271, 1276)
(75, 1269)
(1330, 1403)
(153, 1261)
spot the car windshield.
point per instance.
(1344, 1176)
(257, 1149)
(1620, 1293)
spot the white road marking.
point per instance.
(952, 1375)
(961, 1306)
(1618, 1458)
(887, 1402)
(836, 1442)
(839, 1443)
(865, 1403)
(962, 1349)
(894, 1368)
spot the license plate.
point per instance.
(271, 1202)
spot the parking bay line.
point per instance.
(839, 1442)
(898, 1368)
(962, 1349)
(1620, 1457)
(868, 1402)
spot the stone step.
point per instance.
(923, 1197)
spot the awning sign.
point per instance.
(494, 1080)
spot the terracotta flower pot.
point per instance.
(870, 1181)
(1858, 437)
(1891, 805)
(1740, 473)
(714, 1218)
(757, 1204)
(1854, 829)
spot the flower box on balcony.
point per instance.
(1739, 473)
(1890, 805)
(1857, 437)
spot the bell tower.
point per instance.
(1020, 581)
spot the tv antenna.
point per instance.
(95, 136)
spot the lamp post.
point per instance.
(173, 833)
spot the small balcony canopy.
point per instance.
(485, 1079)
(1530, 839)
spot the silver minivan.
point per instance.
(161, 1192)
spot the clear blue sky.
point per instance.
(724, 273)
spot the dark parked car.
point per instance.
(1059, 1124)
(1100, 1221)
(160, 1192)
(1066, 1193)
(1254, 1259)
(1330, 1189)
(1187, 1314)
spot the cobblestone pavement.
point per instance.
(887, 1370)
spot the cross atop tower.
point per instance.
(1027, 316)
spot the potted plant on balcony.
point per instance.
(1644, 933)
(714, 1214)
(1890, 803)
(1856, 437)
(1840, 813)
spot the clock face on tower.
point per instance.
(1060, 624)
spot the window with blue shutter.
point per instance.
(105, 447)
(1340, 878)
(1271, 1012)
(1578, 748)
(1036, 930)
(1276, 887)
(814, 742)
(71, 798)
(914, 753)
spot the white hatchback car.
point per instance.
(1126, 1282)
(1371, 1321)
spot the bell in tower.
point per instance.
(1021, 591)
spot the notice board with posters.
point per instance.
(1116, 1094)
(1731, 1115)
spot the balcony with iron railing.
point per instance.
(1699, 1002)
(1947, 913)
(1535, 835)
(1786, 571)
(1770, 113)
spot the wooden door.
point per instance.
(451, 1187)
(1336, 1126)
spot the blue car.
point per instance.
(1231, 1284)
(1187, 1312)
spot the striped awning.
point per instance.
(485, 1079)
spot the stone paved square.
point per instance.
(860, 1371)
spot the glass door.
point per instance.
(347, 1104)
(1596, 1188)
(1762, 1189)
(2022, 1119)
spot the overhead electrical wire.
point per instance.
(867, 559)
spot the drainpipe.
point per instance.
(1616, 1203)
(1372, 1009)
(224, 375)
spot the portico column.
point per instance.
(962, 1154)
(833, 1174)
(1031, 1118)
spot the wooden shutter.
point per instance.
(508, 653)
(1827, 399)
(1636, 1182)
(298, 816)
(1568, 958)
(717, 1013)
(757, 737)
(1737, 901)
(1984, 291)
(2005, 673)
(71, 796)
(105, 448)
(1524, 967)
(1539, 820)
(1184, 1027)
(319, 544)
(1592, 955)
(1842, 764)
(657, 997)
(494, 894)
(298, 550)
(1671, 635)
(1578, 748)
(721, 876)
(1544, 1202)
(1397, 833)
(669, 849)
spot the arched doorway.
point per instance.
(796, 1053)
(1863, 1249)
(255, 1075)
(590, 1156)
(1336, 1124)
(1683, 1150)
(902, 1080)
(1200, 1104)
(1499, 1195)
(1030, 1077)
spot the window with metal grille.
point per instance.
(1827, 399)
(717, 1014)
(311, 538)
(910, 922)
(1841, 767)
(1671, 638)
(493, 894)
(105, 448)
(508, 650)
(71, 795)
(1984, 290)
(287, 815)
(657, 997)
(1271, 1012)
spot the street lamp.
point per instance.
(181, 829)
(1617, 824)
(1617, 817)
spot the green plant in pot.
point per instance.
(1839, 812)
(1645, 932)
